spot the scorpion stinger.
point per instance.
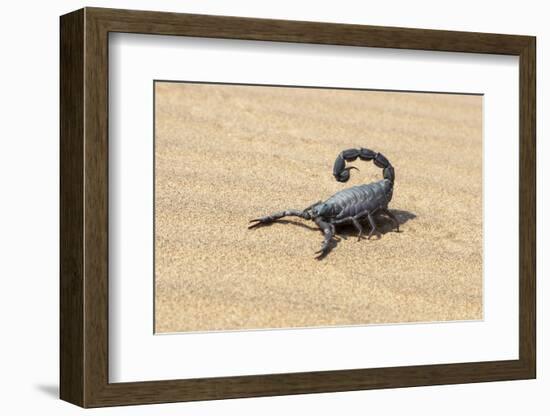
(341, 172)
(351, 205)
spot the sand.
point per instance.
(226, 154)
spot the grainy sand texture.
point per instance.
(225, 154)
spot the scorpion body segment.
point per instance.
(351, 205)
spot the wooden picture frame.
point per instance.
(84, 207)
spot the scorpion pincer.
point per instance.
(351, 205)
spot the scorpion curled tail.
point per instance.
(341, 173)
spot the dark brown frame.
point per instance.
(84, 207)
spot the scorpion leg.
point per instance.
(278, 215)
(358, 226)
(355, 221)
(328, 231)
(392, 217)
(372, 224)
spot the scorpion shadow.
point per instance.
(383, 226)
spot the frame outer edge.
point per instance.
(528, 208)
(343, 34)
(71, 290)
(84, 188)
(96, 209)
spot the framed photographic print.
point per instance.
(255, 207)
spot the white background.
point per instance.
(135, 354)
(29, 210)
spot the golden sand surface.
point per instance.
(225, 154)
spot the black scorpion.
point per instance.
(351, 205)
